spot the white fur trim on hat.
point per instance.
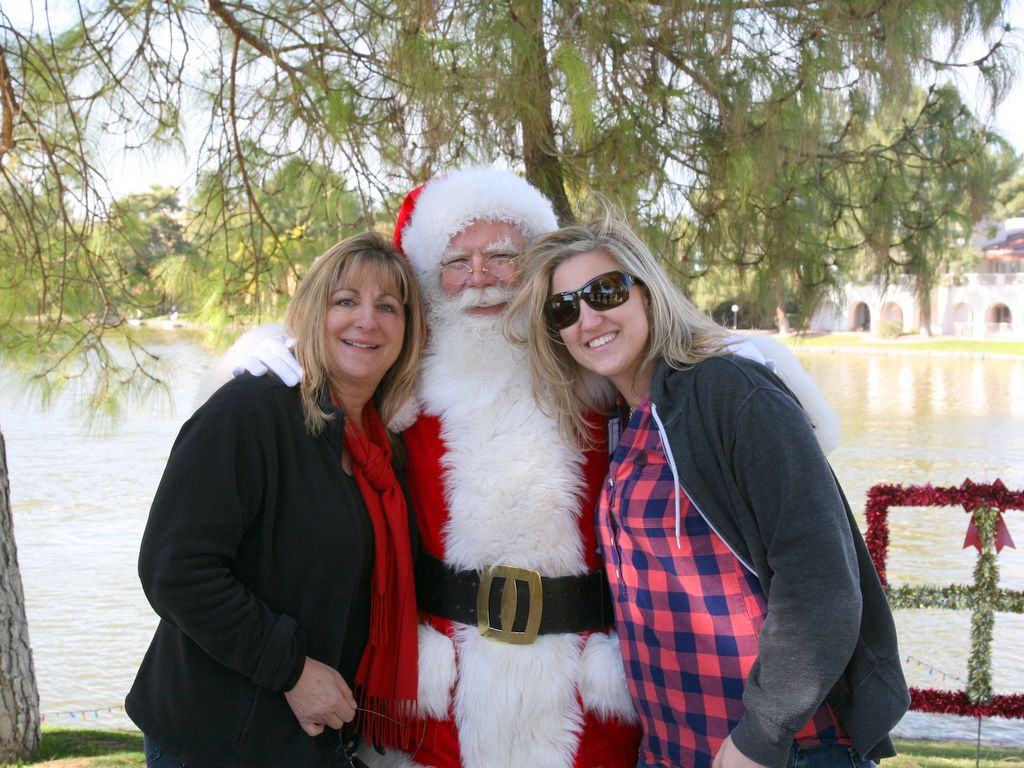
(450, 203)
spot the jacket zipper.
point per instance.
(678, 486)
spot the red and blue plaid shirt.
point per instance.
(687, 617)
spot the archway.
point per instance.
(861, 317)
(998, 320)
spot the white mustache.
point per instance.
(481, 297)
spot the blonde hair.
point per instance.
(307, 313)
(679, 333)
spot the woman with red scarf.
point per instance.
(278, 552)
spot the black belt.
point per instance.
(512, 604)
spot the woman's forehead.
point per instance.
(361, 271)
(577, 270)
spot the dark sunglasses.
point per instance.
(603, 292)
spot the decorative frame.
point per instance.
(988, 533)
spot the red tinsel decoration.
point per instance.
(970, 496)
(956, 703)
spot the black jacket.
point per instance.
(258, 552)
(748, 460)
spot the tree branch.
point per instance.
(238, 29)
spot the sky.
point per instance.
(136, 172)
(1009, 118)
(137, 175)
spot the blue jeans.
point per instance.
(156, 757)
(826, 756)
(821, 756)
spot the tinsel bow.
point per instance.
(994, 499)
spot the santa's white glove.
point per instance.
(272, 354)
(744, 348)
(787, 367)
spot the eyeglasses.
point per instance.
(602, 293)
(500, 267)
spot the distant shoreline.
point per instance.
(905, 346)
(904, 352)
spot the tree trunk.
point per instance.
(924, 315)
(543, 167)
(19, 697)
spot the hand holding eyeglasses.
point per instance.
(321, 698)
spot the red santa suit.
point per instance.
(522, 678)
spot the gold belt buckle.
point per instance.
(509, 601)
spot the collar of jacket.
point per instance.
(335, 429)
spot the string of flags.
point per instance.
(93, 713)
(921, 664)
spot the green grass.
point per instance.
(946, 754)
(85, 748)
(923, 343)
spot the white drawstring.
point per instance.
(675, 475)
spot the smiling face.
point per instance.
(363, 333)
(612, 342)
(474, 247)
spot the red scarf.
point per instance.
(386, 683)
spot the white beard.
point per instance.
(472, 349)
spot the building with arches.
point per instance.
(987, 302)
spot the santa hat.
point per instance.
(432, 213)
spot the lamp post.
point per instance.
(735, 312)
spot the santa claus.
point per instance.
(517, 663)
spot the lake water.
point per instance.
(80, 503)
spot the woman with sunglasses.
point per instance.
(753, 627)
